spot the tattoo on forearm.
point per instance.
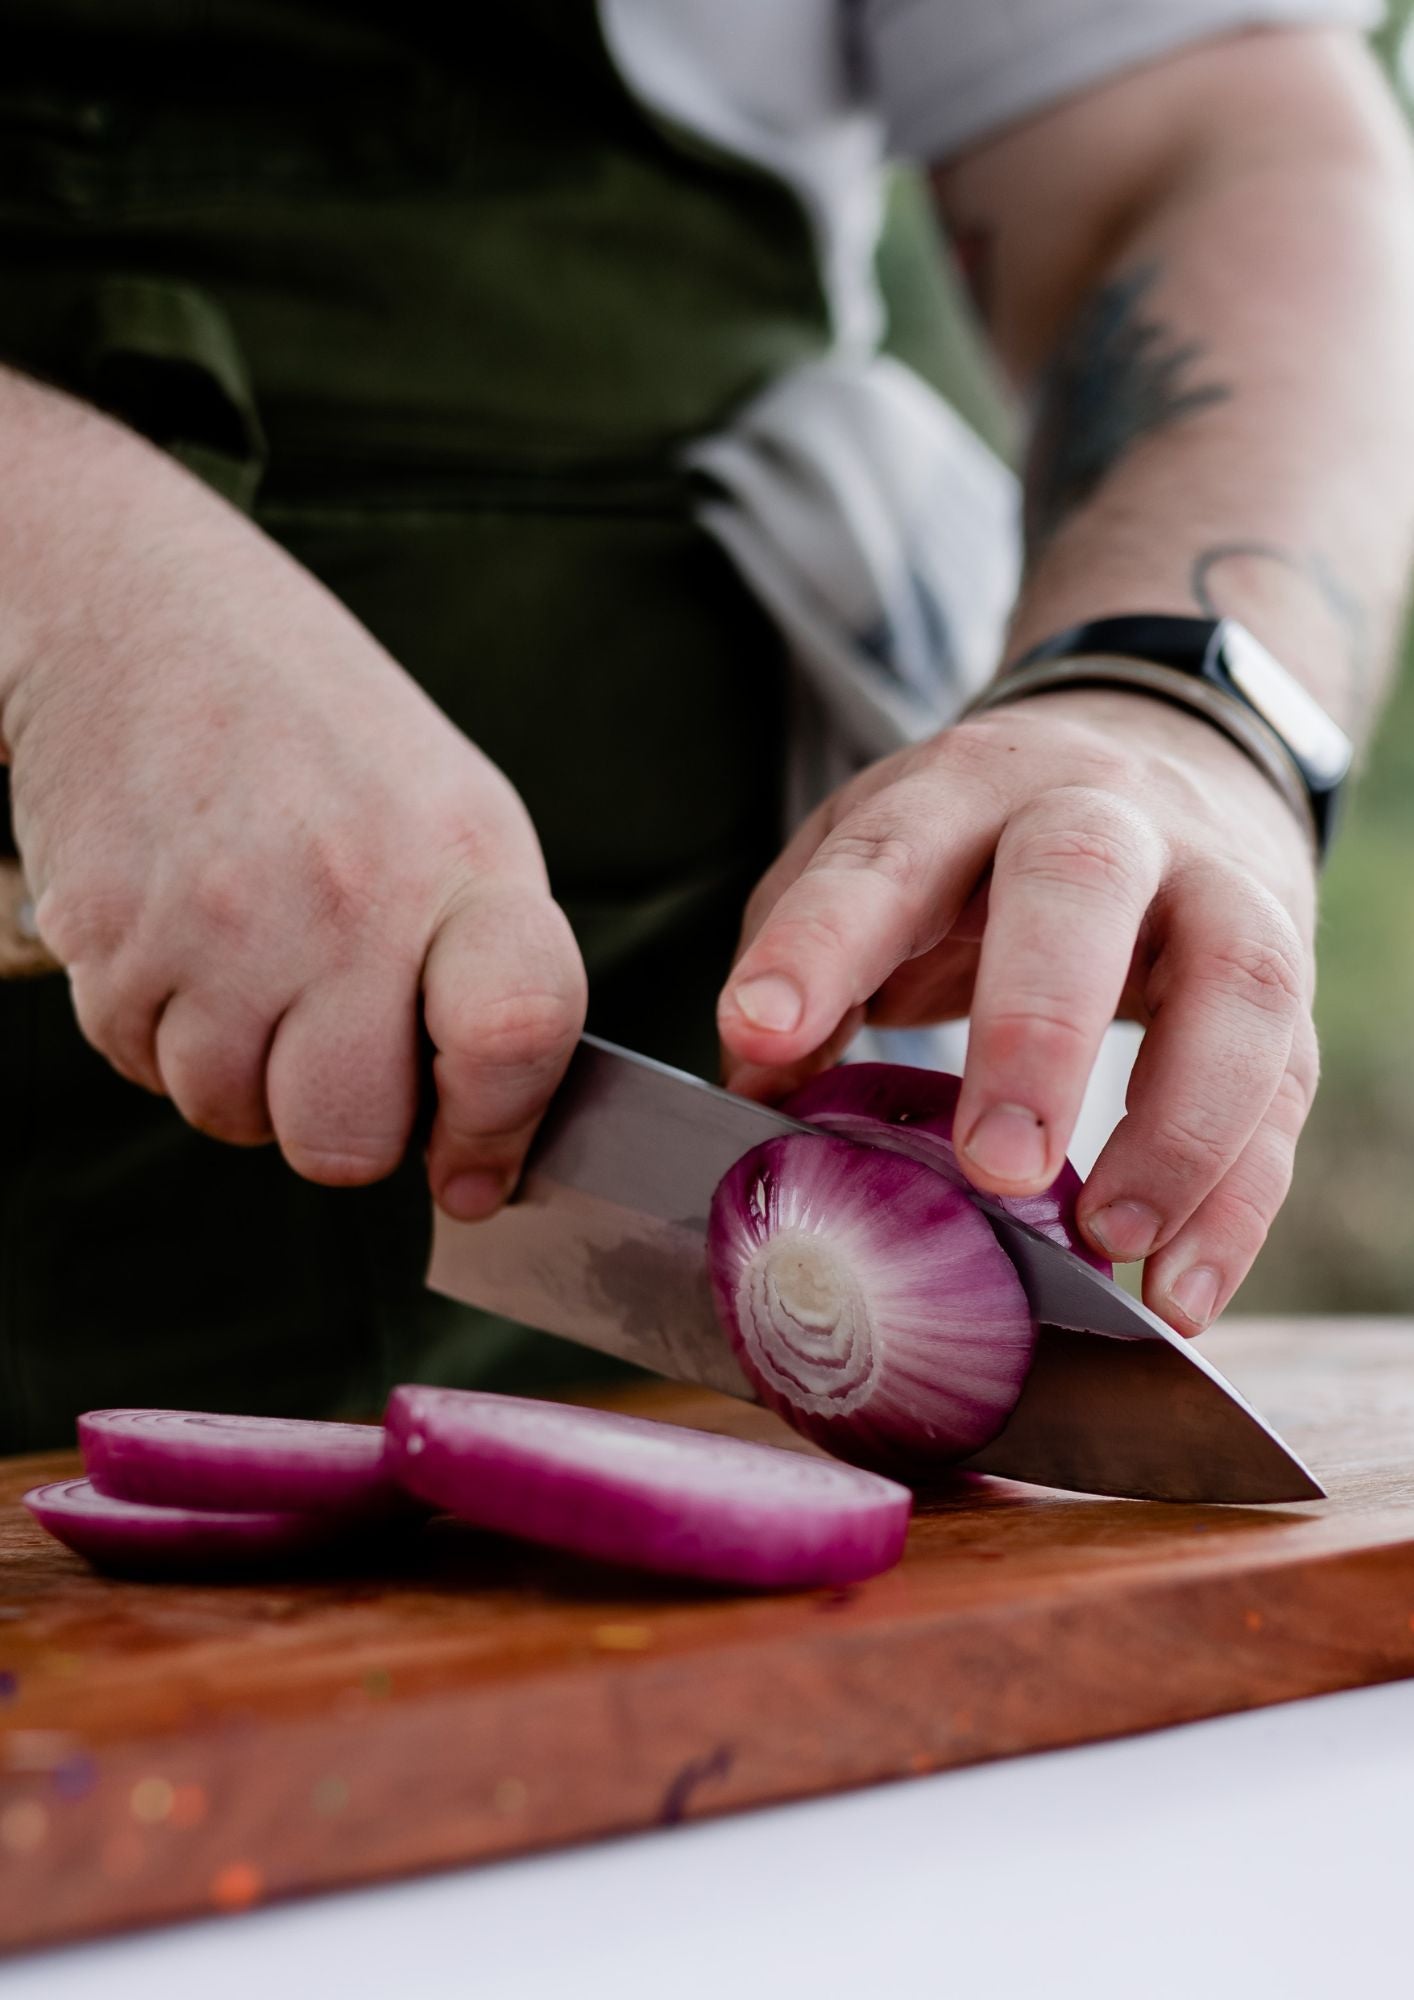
(1228, 569)
(1116, 377)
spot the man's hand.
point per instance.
(1045, 867)
(253, 842)
(1202, 272)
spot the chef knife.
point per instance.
(605, 1245)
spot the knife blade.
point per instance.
(605, 1245)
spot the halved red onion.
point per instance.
(134, 1538)
(196, 1458)
(651, 1495)
(868, 1301)
(911, 1111)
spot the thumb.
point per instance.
(503, 994)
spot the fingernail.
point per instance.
(773, 1002)
(1008, 1143)
(471, 1197)
(1124, 1230)
(1195, 1293)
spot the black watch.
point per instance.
(1218, 669)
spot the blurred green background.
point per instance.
(1344, 1242)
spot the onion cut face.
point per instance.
(195, 1458)
(868, 1301)
(649, 1495)
(136, 1539)
(911, 1111)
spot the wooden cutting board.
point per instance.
(167, 1750)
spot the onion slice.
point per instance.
(911, 1111)
(133, 1538)
(868, 1302)
(196, 1458)
(650, 1495)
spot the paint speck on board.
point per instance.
(9, 1684)
(378, 1682)
(236, 1886)
(151, 1800)
(1253, 1620)
(329, 1795)
(622, 1638)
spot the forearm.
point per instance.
(83, 495)
(1223, 422)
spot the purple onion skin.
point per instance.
(205, 1460)
(132, 1538)
(868, 1302)
(647, 1495)
(911, 1111)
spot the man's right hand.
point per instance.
(253, 842)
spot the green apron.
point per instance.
(377, 272)
(427, 292)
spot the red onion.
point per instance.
(651, 1495)
(911, 1111)
(868, 1301)
(193, 1458)
(130, 1536)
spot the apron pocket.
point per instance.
(162, 356)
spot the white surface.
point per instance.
(1260, 1857)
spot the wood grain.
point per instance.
(169, 1749)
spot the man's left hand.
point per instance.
(1043, 868)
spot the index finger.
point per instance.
(883, 886)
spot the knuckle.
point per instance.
(1262, 971)
(223, 900)
(1296, 1091)
(342, 879)
(1243, 1212)
(1090, 848)
(1187, 1151)
(801, 936)
(519, 1030)
(1040, 1030)
(883, 849)
(87, 923)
